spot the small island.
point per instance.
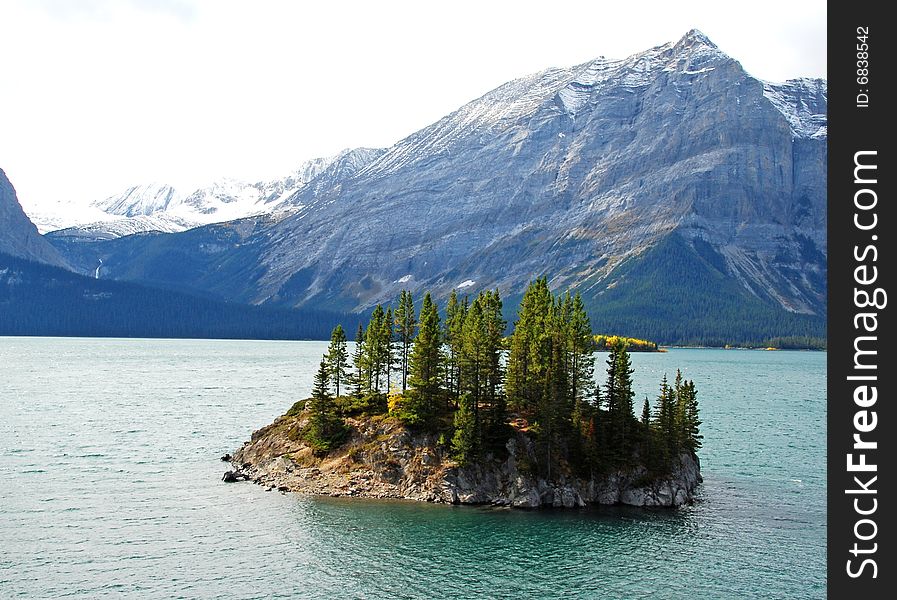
(449, 410)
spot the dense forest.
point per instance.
(461, 380)
(677, 295)
(37, 299)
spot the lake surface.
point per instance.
(110, 486)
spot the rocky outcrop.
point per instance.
(18, 235)
(382, 459)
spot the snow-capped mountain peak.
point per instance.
(137, 200)
(160, 207)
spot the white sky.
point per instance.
(98, 95)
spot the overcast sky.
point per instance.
(98, 95)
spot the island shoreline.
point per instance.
(384, 460)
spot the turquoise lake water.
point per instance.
(110, 486)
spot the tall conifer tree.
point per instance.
(426, 357)
(324, 426)
(406, 324)
(358, 358)
(337, 357)
(530, 353)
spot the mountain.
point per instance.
(18, 235)
(595, 175)
(159, 207)
(140, 200)
(38, 299)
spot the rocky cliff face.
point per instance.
(572, 172)
(18, 235)
(384, 460)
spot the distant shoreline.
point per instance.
(660, 347)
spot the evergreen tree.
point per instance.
(479, 358)
(465, 442)
(554, 406)
(325, 429)
(358, 358)
(337, 357)
(387, 338)
(426, 359)
(471, 356)
(530, 353)
(494, 326)
(646, 432)
(581, 347)
(406, 324)
(666, 419)
(619, 396)
(375, 359)
(691, 430)
(455, 315)
(320, 390)
(677, 427)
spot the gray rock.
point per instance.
(18, 235)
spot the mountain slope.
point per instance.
(575, 173)
(570, 173)
(18, 235)
(38, 299)
(161, 208)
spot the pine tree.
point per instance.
(471, 358)
(465, 442)
(691, 431)
(646, 413)
(387, 339)
(479, 358)
(426, 359)
(406, 324)
(455, 315)
(358, 358)
(581, 347)
(530, 352)
(374, 351)
(320, 390)
(646, 432)
(666, 419)
(677, 428)
(325, 429)
(555, 407)
(337, 357)
(619, 396)
(494, 326)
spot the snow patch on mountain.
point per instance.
(803, 102)
(159, 207)
(122, 226)
(140, 200)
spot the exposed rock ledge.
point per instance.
(382, 459)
